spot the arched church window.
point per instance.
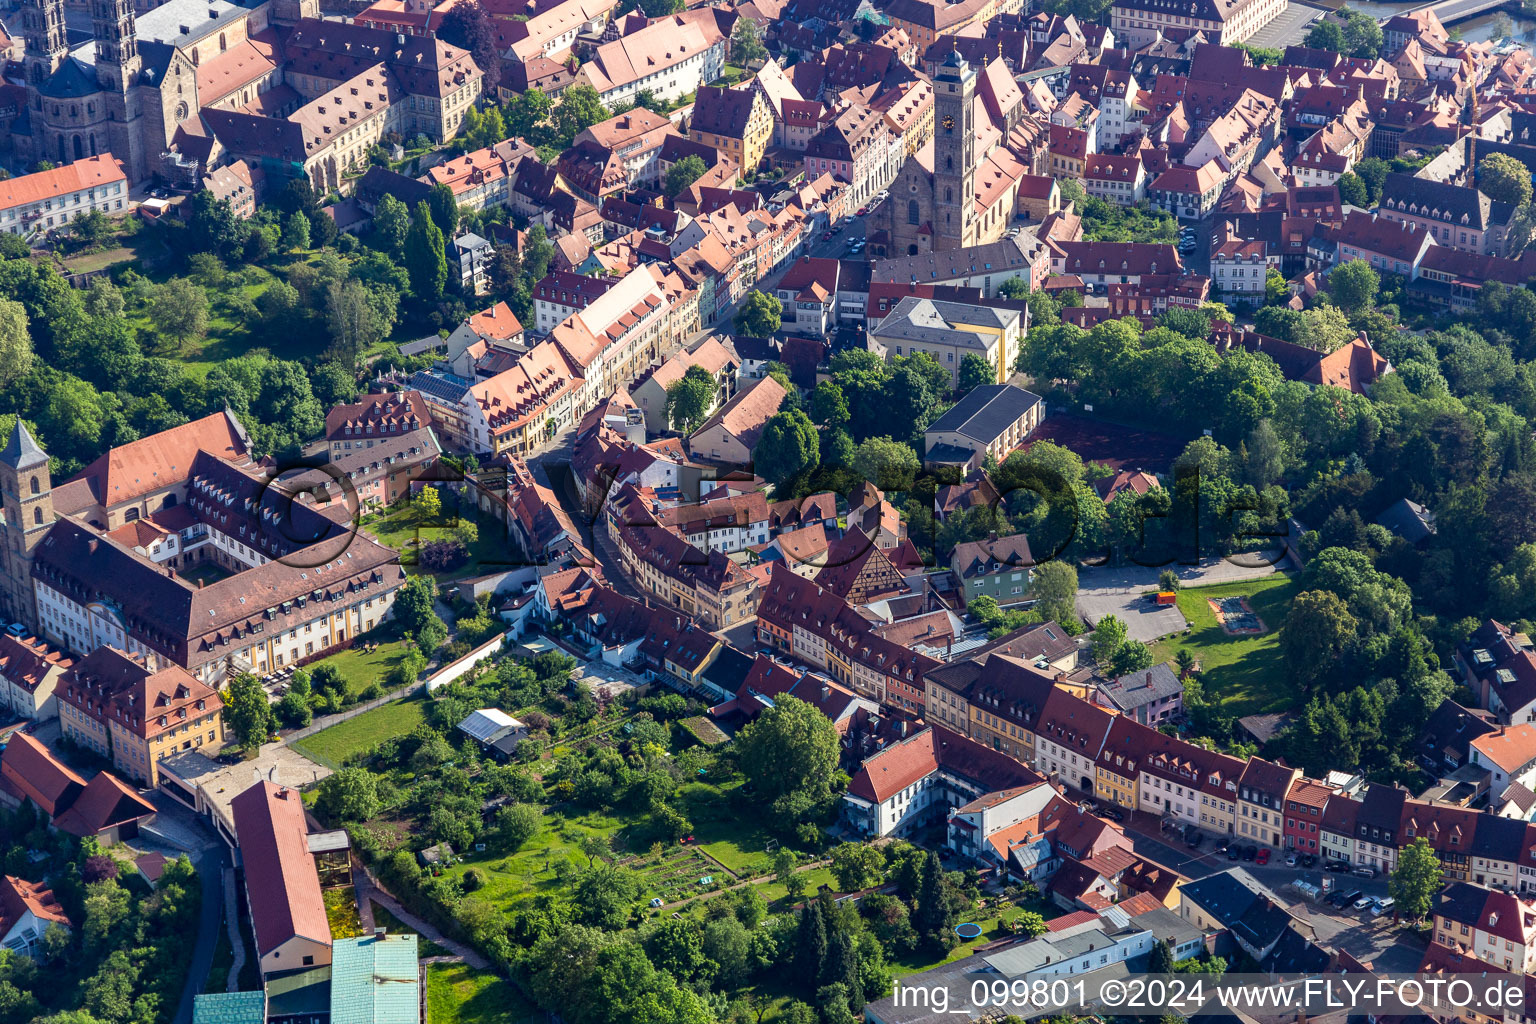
(949, 163)
(131, 515)
(79, 149)
(913, 215)
(222, 45)
(949, 195)
(37, 516)
(37, 487)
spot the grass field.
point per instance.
(361, 668)
(396, 527)
(738, 841)
(334, 745)
(531, 870)
(1244, 672)
(459, 994)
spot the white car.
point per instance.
(1383, 907)
(1363, 902)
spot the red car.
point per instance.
(826, 236)
(863, 210)
(1264, 855)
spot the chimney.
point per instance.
(201, 583)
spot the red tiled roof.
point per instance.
(280, 871)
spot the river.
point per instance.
(1473, 30)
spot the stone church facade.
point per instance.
(125, 92)
(954, 193)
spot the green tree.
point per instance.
(247, 715)
(829, 406)
(445, 209)
(516, 824)
(427, 506)
(527, 111)
(790, 752)
(759, 316)
(788, 445)
(296, 232)
(974, 372)
(1108, 637)
(856, 866)
(1504, 179)
(351, 794)
(1416, 880)
(747, 43)
(1055, 589)
(425, 255)
(15, 343)
(354, 321)
(1326, 35)
(1353, 284)
(179, 311)
(91, 227)
(1353, 190)
(1161, 960)
(1315, 632)
(682, 174)
(1362, 35)
(891, 465)
(689, 399)
(1276, 290)
(391, 221)
(580, 108)
(293, 710)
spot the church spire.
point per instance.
(21, 452)
(115, 27)
(42, 25)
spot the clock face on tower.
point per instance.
(949, 123)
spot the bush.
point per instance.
(444, 555)
(473, 880)
(371, 692)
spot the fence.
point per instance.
(454, 670)
(327, 721)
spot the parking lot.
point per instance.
(1144, 620)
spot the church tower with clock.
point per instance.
(954, 154)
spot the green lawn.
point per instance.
(397, 527)
(204, 572)
(1244, 672)
(334, 745)
(738, 841)
(459, 994)
(360, 667)
(531, 870)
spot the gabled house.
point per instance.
(27, 911)
(1498, 928)
(281, 881)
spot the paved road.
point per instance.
(1134, 579)
(179, 830)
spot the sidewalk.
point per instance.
(368, 889)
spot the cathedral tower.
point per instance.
(117, 44)
(954, 154)
(42, 25)
(26, 494)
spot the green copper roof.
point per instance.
(375, 980)
(229, 1008)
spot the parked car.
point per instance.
(1291, 859)
(1338, 866)
(1383, 907)
(863, 211)
(1363, 902)
(1222, 844)
(1264, 855)
(1344, 897)
(1364, 871)
(1194, 839)
(17, 629)
(1112, 813)
(1309, 860)
(1250, 852)
(1234, 852)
